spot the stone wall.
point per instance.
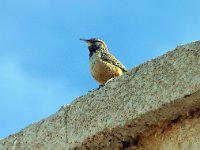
(153, 106)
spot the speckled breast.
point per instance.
(102, 71)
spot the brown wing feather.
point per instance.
(112, 60)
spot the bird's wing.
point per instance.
(112, 60)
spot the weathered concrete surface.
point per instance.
(128, 111)
(183, 134)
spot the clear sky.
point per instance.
(43, 65)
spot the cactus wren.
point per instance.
(103, 65)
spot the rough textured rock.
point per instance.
(153, 106)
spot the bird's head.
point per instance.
(95, 44)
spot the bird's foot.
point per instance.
(100, 86)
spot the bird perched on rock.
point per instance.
(103, 65)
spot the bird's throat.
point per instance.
(93, 49)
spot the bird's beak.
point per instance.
(83, 40)
(87, 41)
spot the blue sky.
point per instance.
(43, 65)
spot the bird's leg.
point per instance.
(102, 85)
(109, 80)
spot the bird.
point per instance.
(103, 65)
